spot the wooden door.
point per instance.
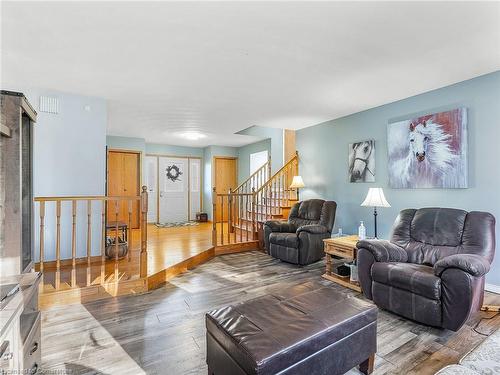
(123, 179)
(225, 178)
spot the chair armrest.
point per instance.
(383, 250)
(473, 264)
(313, 229)
(280, 226)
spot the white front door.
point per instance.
(174, 188)
(151, 180)
(194, 187)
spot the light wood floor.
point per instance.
(169, 246)
(163, 332)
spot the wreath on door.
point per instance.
(173, 173)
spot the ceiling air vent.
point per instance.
(49, 105)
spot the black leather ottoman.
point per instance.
(305, 329)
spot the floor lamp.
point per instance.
(375, 198)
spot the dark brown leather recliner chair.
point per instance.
(300, 239)
(432, 270)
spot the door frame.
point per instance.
(214, 169)
(124, 151)
(214, 173)
(158, 156)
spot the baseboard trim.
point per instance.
(492, 288)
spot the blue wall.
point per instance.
(276, 137)
(126, 143)
(244, 157)
(69, 158)
(160, 149)
(323, 157)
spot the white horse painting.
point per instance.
(424, 153)
(362, 161)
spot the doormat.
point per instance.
(177, 224)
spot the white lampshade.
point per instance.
(375, 198)
(297, 182)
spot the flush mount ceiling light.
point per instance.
(193, 135)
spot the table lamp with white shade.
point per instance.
(297, 183)
(375, 198)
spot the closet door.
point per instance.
(150, 179)
(123, 180)
(194, 187)
(174, 188)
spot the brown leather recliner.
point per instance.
(432, 270)
(300, 239)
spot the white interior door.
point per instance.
(151, 179)
(194, 187)
(174, 188)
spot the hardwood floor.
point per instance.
(163, 331)
(169, 246)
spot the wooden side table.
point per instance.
(345, 248)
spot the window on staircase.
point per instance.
(257, 160)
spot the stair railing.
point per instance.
(239, 214)
(276, 193)
(256, 179)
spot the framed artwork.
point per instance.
(428, 151)
(362, 161)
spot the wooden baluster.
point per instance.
(222, 220)
(229, 218)
(116, 239)
(246, 217)
(239, 208)
(58, 245)
(103, 241)
(42, 235)
(214, 217)
(270, 200)
(254, 207)
(288, 181)
(274, 202)
(129, 230)
(266, 203)
(229, 215)
(73, 244)
(144, 232)
(278, 178)
(296, 169)
(89, 240)
(269, 167)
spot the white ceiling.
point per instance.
(220, 67)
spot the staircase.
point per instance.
(239, 215)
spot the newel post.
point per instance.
(254, 208)
(214, 217)
(230, 212)
(144, 231)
